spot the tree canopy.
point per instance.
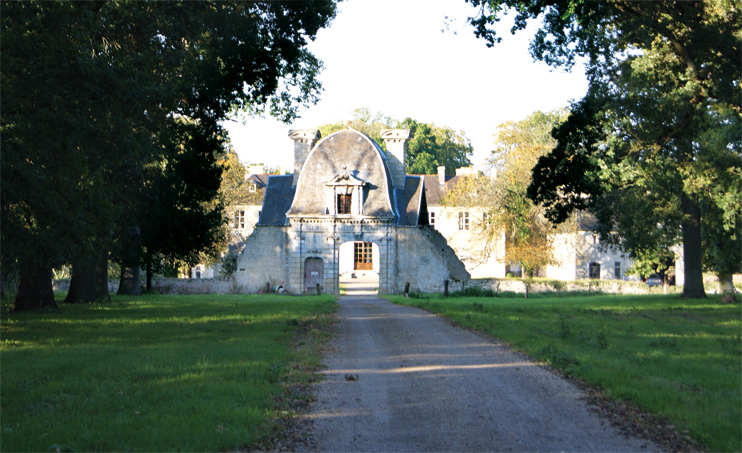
(95, 101)
(428, 147)
(659, 121)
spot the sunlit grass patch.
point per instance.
(679, 359)
(153, 373)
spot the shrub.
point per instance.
(235, 288)
(229, 264)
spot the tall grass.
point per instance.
(679, 359)
(152, 373)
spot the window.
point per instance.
(239, 219)
(344, 194)
(595, 271)
(485, 219)
(617, 270)
(431, 218)
(344, 203)
(463, 221)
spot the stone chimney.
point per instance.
(304, 141)
(442, 175)
(396, 146)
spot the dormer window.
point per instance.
(344, 194)
(253, 187)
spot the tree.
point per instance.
(231, 189)
(428, 147)
(659, 74)
(529, 236)
(431, 146)
(365, 121)
(108, 81)
(181, 218)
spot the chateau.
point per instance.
(349, 207)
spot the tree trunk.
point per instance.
(101, 280)
(35, 290)
(89, 285)
(149, 274)
(130, 281)
(726, 283)
(82, 286)
(692, 252)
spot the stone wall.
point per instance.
(264, 259)
(278, 255)
(63, 284)
(518, 286)
(165, 285)
(424, 259)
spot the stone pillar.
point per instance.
(396, 144)
(304, 141)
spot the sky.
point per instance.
(418, 59)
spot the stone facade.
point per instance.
(346, 190)
(462, 226)
(577, 253)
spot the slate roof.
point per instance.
(410, 202)
(277, 200)
(346, 151)
(248, 198)
(586, 221)
(261, 180)
(434, 191)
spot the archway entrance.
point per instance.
(358, 268)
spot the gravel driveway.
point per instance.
(402, 379)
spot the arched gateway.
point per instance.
(347, 189)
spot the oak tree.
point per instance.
(659, 74)
(90, 91)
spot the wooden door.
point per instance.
(314, 273)
(363, 256)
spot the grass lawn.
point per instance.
(153, 373)
(678, 359)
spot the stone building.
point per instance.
(246, 214)
(461, 226)
(347, 204)
(579, 254)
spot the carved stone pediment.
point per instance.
(344, 194)
(345, 179)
